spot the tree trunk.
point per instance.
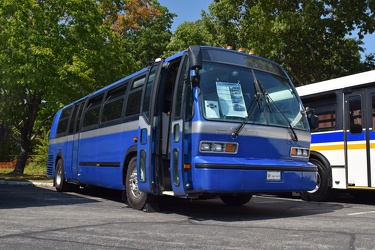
(31, 112)
(21, 160)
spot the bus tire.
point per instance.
(135, 198)
(235, 200)
(60, 183)
(322, 191)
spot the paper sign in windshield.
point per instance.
(231, 99)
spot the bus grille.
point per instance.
(49, 166)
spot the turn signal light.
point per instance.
(299, 152)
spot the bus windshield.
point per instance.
(237, 94)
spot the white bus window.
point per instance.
(355, 115)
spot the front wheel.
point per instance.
(322, 191)
(236, 200)
(135, 198)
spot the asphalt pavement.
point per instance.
(38, 217)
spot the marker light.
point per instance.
(218, 147)
(299, 152)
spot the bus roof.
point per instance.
(337, 83)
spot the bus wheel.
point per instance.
(235, 200)
(322, 191)
(135, 198)
(60, 183)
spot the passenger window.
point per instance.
(112, 108)
(92, 111)
(355, 115)
(326, 117)
(73, 120)
(373, 111)
(325, 108)
(133, 102)
(62, 126)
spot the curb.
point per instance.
(26, 183)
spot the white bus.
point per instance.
(343, 145)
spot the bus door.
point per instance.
(75, 125)
(357, 139)
(148, 121)
(371, 121)
(182, 103)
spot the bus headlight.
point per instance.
(218, 147)
(299, 152)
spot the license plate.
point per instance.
(273, 175)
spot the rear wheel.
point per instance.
(60, 183)
(135, 198)
(236, 200)
(322, 191)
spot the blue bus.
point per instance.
(206, 122)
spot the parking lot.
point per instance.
(41, 218)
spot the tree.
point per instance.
(308, 38)
(54, 51)
(143, 25)
(224, 23)
(188, 33)
(41, 43)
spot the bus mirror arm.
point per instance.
(195, 64)
(312, 118)
(195, 77)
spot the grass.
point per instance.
(32, 172)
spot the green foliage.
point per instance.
(55, 51)
(188, 33)
(309, 38)
(40, 149)
(7, 144)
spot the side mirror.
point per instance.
(312, 118)
(195, 64)
(195, 57)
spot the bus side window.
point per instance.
(113, 105)
(78, 122)
(325, 108)
(62, 126)
(133, 100)
(355, 115)
(73, 119)
(373, 111)
(91, 116)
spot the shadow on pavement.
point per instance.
(260, 207)
(22, 196)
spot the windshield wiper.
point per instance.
(258, 96)
(293, 135)
(261, 93)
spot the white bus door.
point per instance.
(357, 144)
(146, 132)
(181, 106)
(371, 135)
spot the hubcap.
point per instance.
(58, 177)
(133, 182)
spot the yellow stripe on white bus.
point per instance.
(340, 146)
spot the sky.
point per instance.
(189, 11)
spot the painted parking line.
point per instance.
(368, 212)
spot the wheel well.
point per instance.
(58, 157)
(130, 154)
(325, 163)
